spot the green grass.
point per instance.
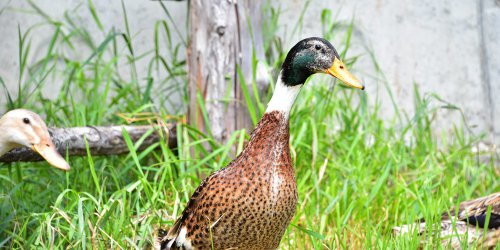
(358, 175)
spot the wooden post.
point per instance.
(219, 41)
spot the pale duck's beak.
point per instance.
(48, 151)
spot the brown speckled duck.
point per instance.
(468, 220)
(23, 128)
(249, 203)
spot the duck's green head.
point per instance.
(315, 55)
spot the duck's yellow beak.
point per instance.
(48, 151)
(339, 71)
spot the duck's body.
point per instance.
(250, 203)
(23, 128)
(255, 193)
(466, 224)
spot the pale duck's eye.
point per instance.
(26, 121)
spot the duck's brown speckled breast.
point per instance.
(250, 203)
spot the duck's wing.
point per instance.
(475, 211)
(468, 220)
(176, 236)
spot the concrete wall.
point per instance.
(451, 48)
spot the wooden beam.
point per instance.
(101, 141)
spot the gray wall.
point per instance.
(451, 48)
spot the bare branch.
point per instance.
(101, 141)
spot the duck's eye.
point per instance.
(26, 121)
(317, 47)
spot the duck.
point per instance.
(249, 203)
(24, 128)
(468, 220)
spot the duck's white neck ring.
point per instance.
(283, 97)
